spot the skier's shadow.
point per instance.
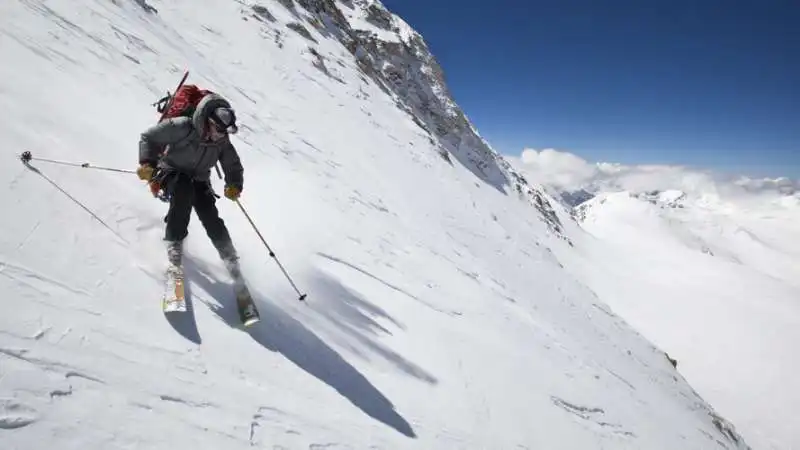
(280, 332)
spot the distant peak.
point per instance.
(671, 197)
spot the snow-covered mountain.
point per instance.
(709, 270)
(438, 314)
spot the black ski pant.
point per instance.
(185, 194)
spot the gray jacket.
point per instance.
(187, 152)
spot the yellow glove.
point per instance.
(145, 172)
(232, 192)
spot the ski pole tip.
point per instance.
(26, 156)
(303, 297)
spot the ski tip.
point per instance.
(250, 322)
(173, 309)
(173, 306)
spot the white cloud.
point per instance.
(558, 168)
(569, 172)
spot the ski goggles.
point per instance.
(222, 127)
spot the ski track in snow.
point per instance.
(37, 281)
(438, 314)
(15, 415)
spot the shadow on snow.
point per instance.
(282, 333)
(361, 320)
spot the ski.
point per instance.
(174, 299)
(248, 313)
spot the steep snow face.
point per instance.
(400, 58)
(437, 314)
(396, 59)
(714, 281)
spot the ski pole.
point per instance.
(271, 253)
(26, 157)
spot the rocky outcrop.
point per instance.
(572, 199)
(399, 61)
(261, 13)
(540, 200)
(408, 68)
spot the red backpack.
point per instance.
(182, 103)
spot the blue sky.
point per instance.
(705, 83)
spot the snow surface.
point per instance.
(438, 315)
(714, 283)
(357, 15)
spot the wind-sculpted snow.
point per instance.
(439, 313)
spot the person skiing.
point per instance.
(192, 146)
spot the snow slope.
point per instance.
(715, 282)
(437, 313)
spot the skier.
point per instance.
(193, 145)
